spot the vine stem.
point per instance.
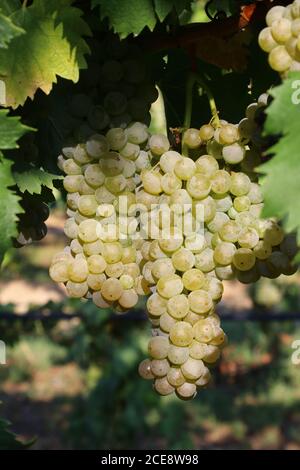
(188, 107)
(211, 100)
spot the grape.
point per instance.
(186, 391)
(281, 30)
(279, 59)
(162, 267)
(223, 203)
(266, 40)
(159, 144)
(87, 230)
(192, 369)
(137, 133)
(203, 331)
(168, 161)
(114, 269)
(156, 305)
(225, 273)
(248, 238)
(224, 253)
(217, 222)
(262, 250)
(76, 289)
(228, 134)
(240, 184)
(160, 367)
(168, 286)
(193, 279)
(273, 233)
(175, 377)
(243, 259)
(170, 183)
(116, 138)
(192, 138)
(178, 355)
(183, 259)
(207, 165)
(221, 182)
(181, 334)
(205, 260)
(59, 271)
(206, 132)
(158, 347)
(200, 301)
(128, 299)
(166, 322)
(274, 14)
(178, 306)
(163, 387)
(234, 153)
(111, 289)
(198, 186)
(229, 232)
(98, 118)
(185, 168)
(95, 281)
(151, 181)
(242, 203)
(145, 370)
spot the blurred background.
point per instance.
(71, 377)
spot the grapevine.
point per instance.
(161, 217)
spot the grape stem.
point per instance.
(191, 80)
(211, 100)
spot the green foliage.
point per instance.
(9, 209)
(132, 16)
(8, 30)
(47, 50)
(11, 130)
(281, 181)
(33, 179)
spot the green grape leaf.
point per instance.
(164, 7)
(11, 129)
(51, 46)
(8, 7)
(9, 208)
(8, 30)
(127, 16)
(281, 174)
(33, 179)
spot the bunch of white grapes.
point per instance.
(115, 90)
(204, 227)
(281, 37)
(146, 220)
(102, 261)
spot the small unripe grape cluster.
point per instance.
(281, 37)
(102, 261)
(115, 90)
(31, 224)
(215, 234)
